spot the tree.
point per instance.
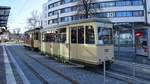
(34, 20)
(86, 8)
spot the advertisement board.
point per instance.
(141, 41)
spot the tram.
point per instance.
(33, 39)
(87, 41)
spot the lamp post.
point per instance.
(104, 70)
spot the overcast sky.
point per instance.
(20, 11)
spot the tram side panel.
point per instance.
(105, 53)
(87, 54)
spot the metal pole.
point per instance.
(133, 64)
(134, 48)
(133, 43)
(148, 41)
(118, 33)
(104, 69)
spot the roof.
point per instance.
(4, 14)
(79, 21)
(33, 30)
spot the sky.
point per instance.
(20, 11)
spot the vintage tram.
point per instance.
(33, 39)
(87, 41)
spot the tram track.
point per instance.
(112, 74)
(42, 79)
(120, 76)
(72, 81)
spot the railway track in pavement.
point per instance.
(68, 74)
(120, 76)
(38, 75)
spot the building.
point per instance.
(4, 14)
(118, 11)
(125, 14)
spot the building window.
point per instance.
(66, 10)
(65, 1)
(81, 34)
(50, 14)
(90, 37)
(54, 20)
(111, 14)
(73, 8)
(56, 4)
(49, 21)
(55, 12)
(65, 19)
(68, 1)
(138, 13)
(137, 2)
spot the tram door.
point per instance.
(63, 46)
(73, 42)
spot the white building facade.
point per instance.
(115, 10)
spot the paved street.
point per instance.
(22, 66)
(31, 68)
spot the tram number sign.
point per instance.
(106, 50)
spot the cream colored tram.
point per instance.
(32, 39)
(85, 41)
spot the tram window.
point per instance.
(56, 38)
(62, 35)
(74, 35)
(81, 34)
(62, 38)
(104, 36)
(90, 38)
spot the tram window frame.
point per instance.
(81, 34)
(89, 35)
(36, 36)
(102, 39)
(62, 35)
(74, 31)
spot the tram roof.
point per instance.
(78, 22)
(36, 29)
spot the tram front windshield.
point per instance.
(104, 36)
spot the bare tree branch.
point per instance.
(85, 8)
(33, 21)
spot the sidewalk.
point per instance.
(128, 54)
(2, 67)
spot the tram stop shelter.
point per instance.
(133, 37)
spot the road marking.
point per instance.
(10, 79)
(19, 70)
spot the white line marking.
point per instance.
(22, 75)
(10, 79)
